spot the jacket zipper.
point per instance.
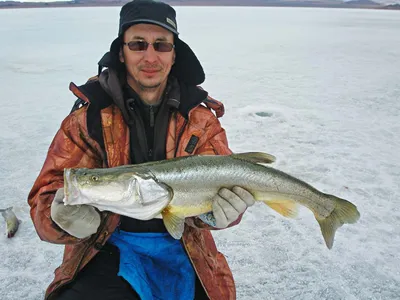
(84, 252)
(194, 268)
(151, 116)
(150, 151)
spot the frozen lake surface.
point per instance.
(318, 88)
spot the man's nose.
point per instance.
(150, 54)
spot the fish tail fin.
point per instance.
(255, 157)
(174, 224)
(278, 202)
(344, 212)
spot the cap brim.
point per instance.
(126, 25)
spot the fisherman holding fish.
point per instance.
(144, 105)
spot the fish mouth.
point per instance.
(71, 190)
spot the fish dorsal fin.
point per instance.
(174, 224)
(255, 157)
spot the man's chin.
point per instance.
(150, 84)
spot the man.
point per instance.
(144, 106)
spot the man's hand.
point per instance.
(80, 221)
(228, 205)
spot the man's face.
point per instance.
(148, 69)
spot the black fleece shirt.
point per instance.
(148, 135)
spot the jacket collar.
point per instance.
(180, 96)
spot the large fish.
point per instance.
(183, 187)
(12, 223)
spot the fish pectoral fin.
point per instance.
(174, 224)
(255, 157)
(344, 212)
(278, 202)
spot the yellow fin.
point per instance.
(255, 157)
(344, 212)
(286, 208)
(174, 224)
(281, 203)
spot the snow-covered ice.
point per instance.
(318, 88)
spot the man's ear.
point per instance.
(121, 56)
(173, 58)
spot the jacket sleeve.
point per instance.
(215, 144)
(70, 148)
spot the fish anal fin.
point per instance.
(281, 203)
(286, 208)
(255, 157)
(174, 224)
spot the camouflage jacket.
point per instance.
(74, 147)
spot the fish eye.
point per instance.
(95, 178)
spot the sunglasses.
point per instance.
(140, 46)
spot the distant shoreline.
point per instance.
(232, 3)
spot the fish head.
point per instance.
(116, 189)
(88, 185)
